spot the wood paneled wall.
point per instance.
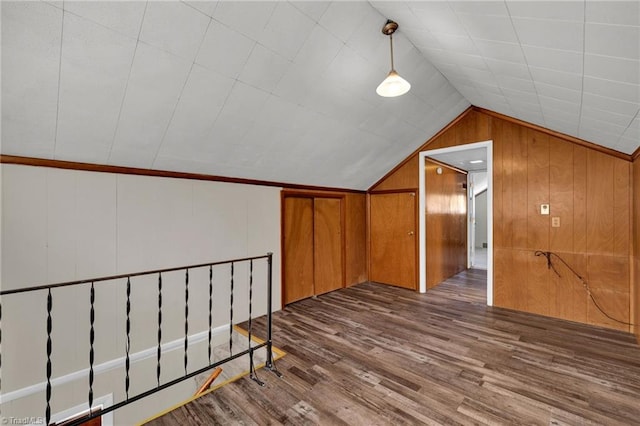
(446, 222)
(355, 239)
(589, 190)
(636, 247)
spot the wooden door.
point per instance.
(445, 222)
(327, 253)
(298, 249)
(312, 245)
(393, 239)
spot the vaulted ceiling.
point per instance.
(285, 91)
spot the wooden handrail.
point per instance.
(131, 275)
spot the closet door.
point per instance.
(393, 239)
(313, 246)
(298, 249)
(327, 244)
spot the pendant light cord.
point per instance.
(549, 255)
(391, 41)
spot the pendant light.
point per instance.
(393, 85)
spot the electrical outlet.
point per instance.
(555, 222)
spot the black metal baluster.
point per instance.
(269, 364)
(252, 368)
(159, 326)
(128, 346)
(167, 383)
(186, 319)
(49, 328)
(92, 318)
(250, 299)
(210, 306)
(0, 349)
(231, 316)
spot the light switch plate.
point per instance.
(555, 222)
(544, 208)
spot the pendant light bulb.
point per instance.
(393, 85)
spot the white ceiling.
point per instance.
(285, 91)
(570, 66)
(464, 160)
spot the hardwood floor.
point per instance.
(374, 354)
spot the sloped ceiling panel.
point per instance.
(285, 91)
(570, 66)
(280, 91)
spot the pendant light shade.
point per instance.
(393, 85)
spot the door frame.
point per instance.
(488, 144)
(471, 219)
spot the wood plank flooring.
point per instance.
(379, 355)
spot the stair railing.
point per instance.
(128, 281)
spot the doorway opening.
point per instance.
(474, 157)
(477, 242)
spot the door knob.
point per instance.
(410, 232)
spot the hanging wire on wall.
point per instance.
(585, 284)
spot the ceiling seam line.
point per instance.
(71, 12)
(628, 126)
(306, 14)
(55, 134)
(215, 120)
(196, 9)
(434, 65)
(520, 44)
(487, 65)
(235, 79)
(293, 60)
(456, 64)
(175, 108)
(173, 113)
(126, 86)
(242, 32)
(584, 54)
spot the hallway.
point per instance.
(480, 258)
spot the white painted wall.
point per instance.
(61, 225)
(481, 219)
